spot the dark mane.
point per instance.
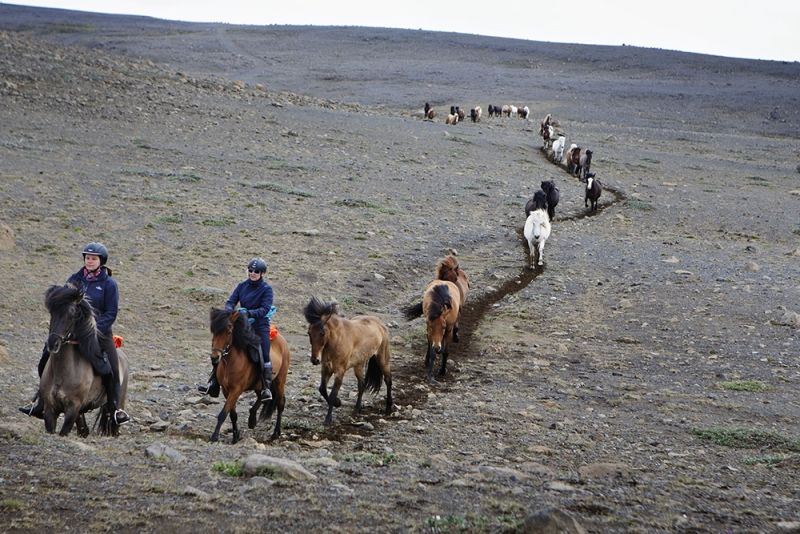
(243, 335)
(440, 300)
(316, 309)
(66, 299)
(447, 269)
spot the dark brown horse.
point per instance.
(340, 344)
(69, 384)
(441, 305)
(449, 269)
(232, 337)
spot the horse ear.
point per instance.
(235, 316)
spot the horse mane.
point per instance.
(447, 269)
(440, 298)
(59, 299)
(243, 334)
(316, 309)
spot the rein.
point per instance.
(226, 350)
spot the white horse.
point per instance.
(537, 230)
(558, 148)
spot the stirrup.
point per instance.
(265, 395)
(28, 408)
(121, 416)
(204, 389)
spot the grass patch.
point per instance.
(185, 177)
(141, 143)
(748, 438)
(11, 504)
(755, 386)
(651, 160)
(456, 524)
(44, 248)
(301, 424)
(757, 178)
(380, 460)
(280, 188)
(214, 222)
(232, 469)
(774, 460)
(175, 218)
(639, 205)
(489, 181)
(358, 203)
(457, 139)
(145, 174)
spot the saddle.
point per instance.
(254, 349)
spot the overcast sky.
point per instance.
(734, 28)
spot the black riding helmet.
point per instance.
(258, 265)
(96, 249)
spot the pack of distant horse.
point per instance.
(70, 386)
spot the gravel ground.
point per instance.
(593, 383)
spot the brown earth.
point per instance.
(190, 148)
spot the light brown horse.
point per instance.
(69, 384)
(441, 305)
(449, 269)
(232, 337)
(340, 344)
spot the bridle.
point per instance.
(226, 350)
(69, 337)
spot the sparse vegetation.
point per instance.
(232, 469)
(746, 385)
(748, 438)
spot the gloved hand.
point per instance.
(242, 310)
(251, 320)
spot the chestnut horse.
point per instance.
(449, 269)
(339, 344)
(69, 384)
(441, 306)
(232, 338)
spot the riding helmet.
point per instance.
(258, 265)
(97, 249)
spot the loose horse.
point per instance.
(537, 230)
(441, 306)
(69, 384)
(232, 338)
(339, 344)
(449, 269)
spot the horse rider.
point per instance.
(95, 280)
(254, 295)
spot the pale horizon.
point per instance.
(727, 30)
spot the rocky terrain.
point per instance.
(643, 380)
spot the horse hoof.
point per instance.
(433, 382)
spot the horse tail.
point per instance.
(374, 377)
(412, 312)
(269, 407)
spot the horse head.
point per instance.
(222, 324)
(71, 317)
(318, 313)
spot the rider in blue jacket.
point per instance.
(101, 290)
(254, 296)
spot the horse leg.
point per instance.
(431, 363)
(333, 399)
(361, 386)
(541, 252)
(70, 416)
(82, 428)
(223, 414)
(428, 354)
(387, 379)
(445, 354)
(251, 420)
(234, 420)
(49, 420)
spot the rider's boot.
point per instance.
(35, 408)
(112, 387)
(212, 388)
(266, 379)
